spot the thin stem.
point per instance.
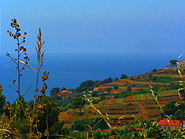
(19, 85)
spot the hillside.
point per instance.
(140, 104)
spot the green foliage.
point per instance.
(170, 108)
(54, 91)
(109, 89)
(89, 85)
(77, 135)
(96, 100)
(150, 76)
(97, 134)
(89, 124)
(162, 88)
(156, 132)
(131, 78)
(116, 79)
(179, 114)
(86, 85)
(154, 70)
(173, 63)
(162, 79)
(50, 114)
(116, 87)
(123, 76)
(63, 88)
(130, 104)
(123, 131)
(173, 86)
(175, 109)
(99, 123)
(95, 93)
(129, 89)
(56, 128)
(108, 80)
(80, 125)
(102, 98)
(78, 102)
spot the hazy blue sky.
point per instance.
(97, 26)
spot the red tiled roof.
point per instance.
(170, 122)
(62, 92)
(183, 61)
(69, 92)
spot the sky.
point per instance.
(97, 26)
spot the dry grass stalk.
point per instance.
(98, 111)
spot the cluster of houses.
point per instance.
(66, 94)
(166, 124)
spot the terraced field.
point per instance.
(142, 105)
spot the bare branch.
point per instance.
(27, 90)
(26, 65)
(12, 60)
(13, 88)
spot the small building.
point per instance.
(66, 94)
(166, 124)
(96, 89)
(182, 63)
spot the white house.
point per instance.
(182, 63)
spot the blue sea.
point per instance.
(69, 70)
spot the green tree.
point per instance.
(97, 84)
(108, 80)
(102, 97)
(173, 63)
(54, 91)
(87, 85)
(97, 134)
(99, 123)
(94, 93)
(116, 79)
(116, 87)
(78, 103)
(154, 70)
(57, 128)
(156, 132)
(123, 76)
(129, 89)
(109, 89)
(179, 115)
(63, 88)
(170, 108)
(81, 125)
(49, 117)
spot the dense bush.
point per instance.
(89, 124)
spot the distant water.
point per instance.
(69, 70)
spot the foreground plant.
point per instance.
(20, 68)
(21, 112)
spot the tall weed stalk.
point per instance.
(31, 112)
